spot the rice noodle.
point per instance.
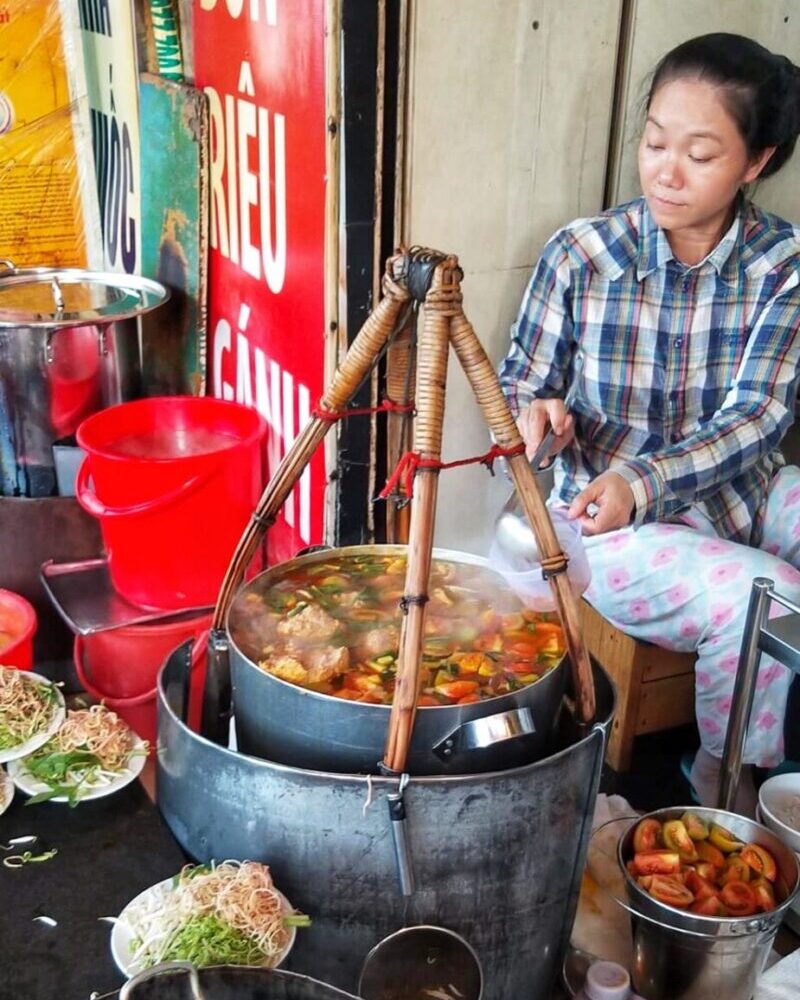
(240, 894)
(98, 730)
(26, 707)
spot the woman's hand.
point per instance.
(613, 498)
(535, 421)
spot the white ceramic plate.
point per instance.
(27, 783)
(122, 934)
(44, 734)
(6, 791)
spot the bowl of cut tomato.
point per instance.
(707, 890)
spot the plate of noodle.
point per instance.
(93, 753)
(6, 791)
(217, 914)
(31, 710)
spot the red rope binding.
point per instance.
(386, 405)
(409, 462)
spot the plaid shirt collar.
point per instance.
(655, 251)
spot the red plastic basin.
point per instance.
(17, 628)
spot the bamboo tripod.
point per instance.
(433, 279)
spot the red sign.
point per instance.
(262, 64)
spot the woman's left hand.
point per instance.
(613, 498)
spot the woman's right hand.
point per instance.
(535, 421)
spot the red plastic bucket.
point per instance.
(174, 481)
(17, 627)
(120, 667)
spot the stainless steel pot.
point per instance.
(292, 725)
(69, 346)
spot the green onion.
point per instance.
(208, 940)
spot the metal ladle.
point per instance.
(422, 963)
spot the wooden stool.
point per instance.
(655, 686)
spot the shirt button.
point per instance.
(677, 342)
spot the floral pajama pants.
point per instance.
(682, 587)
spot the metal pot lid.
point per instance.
(56, 297)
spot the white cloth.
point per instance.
(781, 981)
(602, 927)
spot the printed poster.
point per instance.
(262, 65)
(48, 202)
(109, 50)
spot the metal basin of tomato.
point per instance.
(681, 955)
(288, 724)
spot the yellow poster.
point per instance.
(48, 202)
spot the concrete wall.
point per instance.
(509, 132)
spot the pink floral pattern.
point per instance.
(678, 587)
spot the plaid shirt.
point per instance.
(688, 375)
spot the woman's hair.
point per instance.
(761, 90)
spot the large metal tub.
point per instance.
(497, 857)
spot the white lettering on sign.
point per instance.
(236, 7)
(248, 182)
(283, 402)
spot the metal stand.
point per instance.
(780, 639)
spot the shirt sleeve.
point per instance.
(753, 418)
(541, 337)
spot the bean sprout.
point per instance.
(239, 895)
(26, 707)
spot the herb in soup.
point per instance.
(334, 627)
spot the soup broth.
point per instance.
(334, 627)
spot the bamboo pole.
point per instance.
(487, 389)
(430, 396)
(400, 379)
(355, 367)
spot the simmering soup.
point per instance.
(334, 627)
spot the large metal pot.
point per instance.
(292, 725)
(181, 981)
(496, 857)
(69, 346)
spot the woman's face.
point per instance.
(692, 158)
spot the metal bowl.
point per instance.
(771, 798)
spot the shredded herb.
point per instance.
(209, 941)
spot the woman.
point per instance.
(684, 309)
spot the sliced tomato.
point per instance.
(738, 898)
(549, 628)
(427, 701)
(647, 835)
(711, 906)
(761, 861)
(736, 870)
(657, 863)
(520, 667)
(668, 890)
(676, 838)
(701, 888)
(722, 838)
(764, 894)
(707, 871)
(457, 689)
(707, 852)
(469, 699)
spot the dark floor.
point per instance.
(655, 778)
